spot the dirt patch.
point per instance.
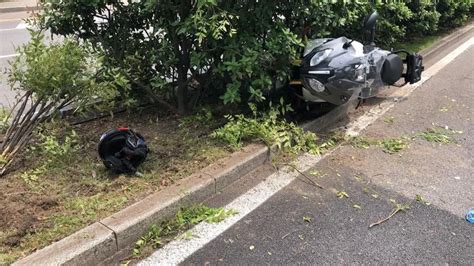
(71, 192)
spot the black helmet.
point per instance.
(122, 150)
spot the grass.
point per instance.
(361, 142)
(4, 114)
(185, 218)
(394, 145)
(435, 134)
(438, 135)
(420, 43)
(61, 186)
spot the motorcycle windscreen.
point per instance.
(374, 61)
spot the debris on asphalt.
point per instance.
(342, 194)
(470, 216)
(308, 180)
(398, 208)
(420, 198)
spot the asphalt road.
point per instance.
(302, 224)
(13, 33)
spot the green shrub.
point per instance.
(48, 78)
(392, 23)
(454, 13)
(179, 52)
(425, 18)
(270, 128)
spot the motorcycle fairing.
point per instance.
(344, 72)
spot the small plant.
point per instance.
(4, 117)
(52, 152)
(49, 78)
(203, 117)
(184, 219)
(31, 177)
(394, 145)
(361, 142)
(438, 135)
(271, 128)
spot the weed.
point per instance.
(438, 135)
(87, 208)
(203, 117)
(184, 219)
(361, 142)
(394, 145)
(332, 140)
(4, 116)
(52, 153)
(270, 128)
(31, 177)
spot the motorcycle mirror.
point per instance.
(370, 21)
(369, 25)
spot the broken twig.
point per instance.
(399, 208)
(314, 183)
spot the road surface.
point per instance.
(302, 224)
(13, 33)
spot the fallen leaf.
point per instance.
(342, 194)
(307, 219)
(357, 206)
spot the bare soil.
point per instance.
(76, 191)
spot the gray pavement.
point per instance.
(338, 233)
(12, 35)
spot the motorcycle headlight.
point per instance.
(319, 57)
(315, 85)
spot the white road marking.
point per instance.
(8, 56)
(178, 250)
(11, 29)
(21, 26)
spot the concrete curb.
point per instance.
(101, 240)
(450, 38)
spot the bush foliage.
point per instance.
(47, 79)
(180, 52)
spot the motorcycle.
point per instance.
(333, 70)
